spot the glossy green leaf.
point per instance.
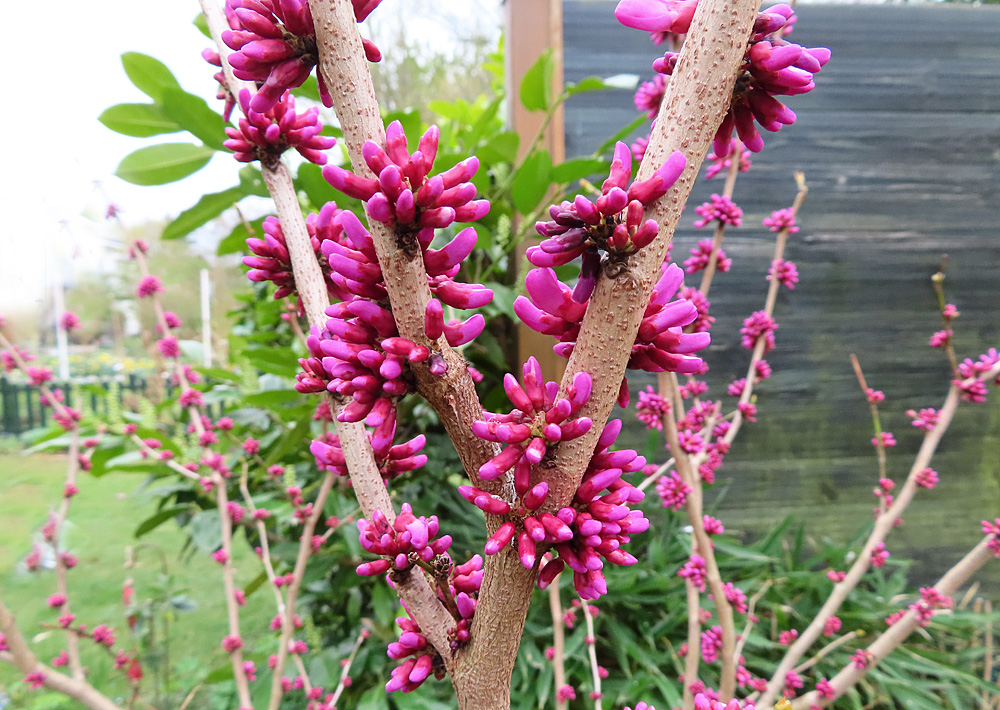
(149, 75)
(207, 208)
(501, 148)
(532, 181)
(194, 115)
(160, 164)
(536, 86)
(139, 120)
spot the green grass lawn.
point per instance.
(100, 528)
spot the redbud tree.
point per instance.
(374, 293)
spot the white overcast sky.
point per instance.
(63, 70)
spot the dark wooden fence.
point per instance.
(900, 145)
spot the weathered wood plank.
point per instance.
(900, 144)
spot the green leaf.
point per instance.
(160, 164)
(591, 83)
(290, 440)
(501, 148)
(578, 168)
(149, 75)
(252, 182)
(202, 24)
(374, 699)
(410, 121)
(309, 179)
(610, 142)
(207, 208)
(139, 120)
(271, 398)
(531, 181)
(277, 361)
(236, 242)
(536, 86)
(195, 116)
(482, 124)
(155, 521)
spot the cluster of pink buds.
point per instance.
(8, 361)
(703, 702)
(718, 163)
(772, 66)
(649, 95)
(541, 419)
(407, 535)
(391, 460)
(274, 45)
(613, 224)
(359, 354)
(661, 343)
(420, 657)
(931, 600)
(992, 529)
(147, 286)
(603, 521)
(651, 408)
(782, 220)
(265, 136)
(69, 321)
(403, 196)
(719, 209)
(758, 325)
(785, 272)
(702, 254)
(974, 390)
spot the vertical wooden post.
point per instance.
(532, 26)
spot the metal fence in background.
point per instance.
(21, 410)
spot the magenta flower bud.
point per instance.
(500, 463)
(500, 539)
(526, 550)
(434, 319)
(370, 569)
(549, 572)
(349, 183)
(534, 529)
(461, 332)
(536, 496)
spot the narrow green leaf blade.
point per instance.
(207, 208)
(160, 164)
(139, 120)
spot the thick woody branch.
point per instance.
(368, 485)
(899, 631)
(697, 98)
(20, 655)
(453, 395)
